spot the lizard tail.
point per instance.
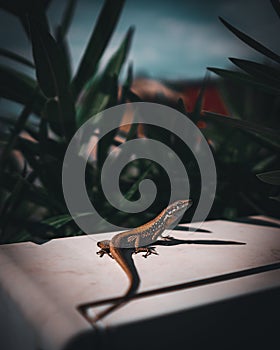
(129, 268)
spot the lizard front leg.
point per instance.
(167, 238)
(105, 248)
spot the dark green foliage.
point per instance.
(248, 143)
(252, 42)
(271, 177)
(99, 39)
(54, 106)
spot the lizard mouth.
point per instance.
(187, 203)
(181, 206)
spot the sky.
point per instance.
(173, 40)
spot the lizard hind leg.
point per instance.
(147, 250)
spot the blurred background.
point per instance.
(178, 56)
(174, 39)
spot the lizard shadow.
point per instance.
(190, 229)
(136, 279)
(175, 241)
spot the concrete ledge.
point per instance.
(42, 286)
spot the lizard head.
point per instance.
(175, 211)
(104, 244)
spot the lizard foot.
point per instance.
(148, 250)
(102, 252)
(167, 238)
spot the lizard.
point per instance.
(138, 240)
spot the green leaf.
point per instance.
(12, 199)
(11, 120)
(266, 141)
(61, 33)
(53, 148)
(16, 57)
(127, 85)
(129, 77)
(61, 220)
(240, 124)
(195, 115)
(50, 69)
(276, 6)
(99, 39)
(67, 17)
(181, 106)
(116, 62)
(43, 136)
(107, 140)
(58, 220)
(264, 163)
(10, 205)
(32, 193)
(252, 42)
(97, 96)
(52, 75)
(276, 198)
(48, 170)
(98, 93)
(28, 147)
(132, 133)
(65, 53)
(46, 166)
(244, 78)
(133, 97)
(36, 232)
(22, 9)
(267, 74)
(53, 116)
(270, 177)
(104, 94)
(20, 88)
(18, 127)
